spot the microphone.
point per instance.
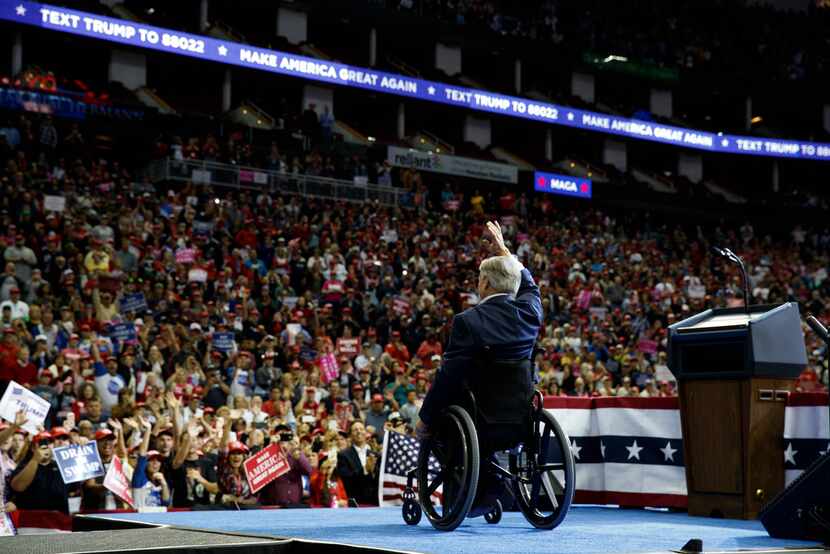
(818, 328)
(734, 258)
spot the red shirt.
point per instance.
(26, 374)
(400, 353)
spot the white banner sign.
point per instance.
(453, 165)
(18, 397)
(54, 203)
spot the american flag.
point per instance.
(806, 433)
(400, 455)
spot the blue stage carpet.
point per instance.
(587, 529)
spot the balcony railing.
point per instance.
(252, 178)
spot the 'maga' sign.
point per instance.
(562, 184)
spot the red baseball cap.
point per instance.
(154, 454)
(42, 436)
(237, 447)
(104, 434)
(57, 432)
(377, 397)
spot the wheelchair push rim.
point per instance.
(545, 478)
(455, 447)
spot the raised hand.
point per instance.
(498, 240)
(20, 419)
(145, 424)
(172, 401)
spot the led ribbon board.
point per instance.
(562, 184)
(139, 35)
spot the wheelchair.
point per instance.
(504, 415)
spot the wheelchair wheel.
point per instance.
(411, 511)
(494, 516)
(454, 445)
(545, 464)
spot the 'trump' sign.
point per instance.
(562, 184)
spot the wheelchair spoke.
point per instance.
(549, 490)
(439, 454)
(536, 481)
(550, 467)
(543, 448)
(436, 483)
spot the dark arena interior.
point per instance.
(423, 276)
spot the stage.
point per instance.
(587, 529)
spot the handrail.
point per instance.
(402, 66)
(266, 180)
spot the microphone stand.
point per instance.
(734, 258)
(821, 331)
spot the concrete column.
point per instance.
(517, 75)
(549, 144)
(477, 130)
(775, 176)
(660, 102)
(582, 86)
(17, 53)
(401, 121)
(203, 15)
(748, 113)
(129, 68)
(614, 153)
(227, 89)
(690, 166)
(292, 24)
(448, 58)
(373, 47)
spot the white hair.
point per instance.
(503, 273)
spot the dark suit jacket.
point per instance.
(359, 486)
(506, 325)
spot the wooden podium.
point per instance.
(735, 371)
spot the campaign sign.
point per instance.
(223, 342)
(185, 255)
(122, 331)
(348, 347)
(562, 184)
(79, 462)
(647, 346)
(133, 303)
(18, 397)
(265, 466)
(116, 482)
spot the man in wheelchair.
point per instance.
(487, 375)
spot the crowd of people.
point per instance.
(184, 328)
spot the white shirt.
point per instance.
(495, 294)
(361, 453)
(20, 310)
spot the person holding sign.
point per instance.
(110, 444)
(149, 485)
(37, 481)
(234, 490)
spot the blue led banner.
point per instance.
(562, 184)
(211, 49)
